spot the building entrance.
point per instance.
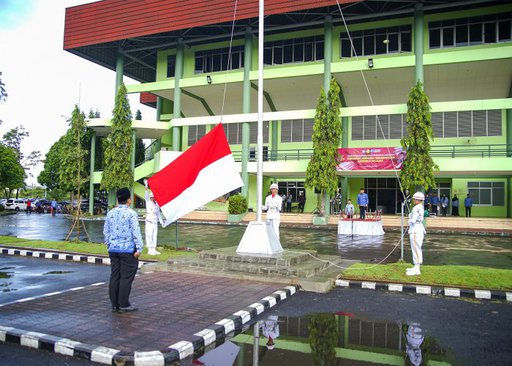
(383, 194)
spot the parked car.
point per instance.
(16, 204)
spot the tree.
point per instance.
(417, 172)
(13, 138)
(72, 172)
(12, 174)
(140, 148)
(117, 171)
(94, 114)
(50, 176)
(323, 338)
(327, 130)
(3, 92)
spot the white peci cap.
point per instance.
(273, 186)
(419, 196)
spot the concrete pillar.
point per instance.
(119, 71)
(418, 41)
(246, 129)
(91, 171)
(132, 163)
(176, 131)
(159, 107)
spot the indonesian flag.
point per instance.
(201, 174)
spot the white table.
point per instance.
(360, 227)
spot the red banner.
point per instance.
(370, 158)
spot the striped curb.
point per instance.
(428, 290)
(198, 344)
(59, 256)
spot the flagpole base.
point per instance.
(259, 240)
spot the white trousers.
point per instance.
(274, 223)
(151, 234)
(416, 243)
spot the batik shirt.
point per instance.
(122, 231)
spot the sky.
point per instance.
(44, 82)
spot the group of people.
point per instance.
(439, 205)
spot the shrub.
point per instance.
(237, 204)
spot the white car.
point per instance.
(16, 204)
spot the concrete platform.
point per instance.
(306, 268)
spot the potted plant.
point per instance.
(237, 208)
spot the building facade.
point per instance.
(196, 64)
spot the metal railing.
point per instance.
(452, 151)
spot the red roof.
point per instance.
(112, 20)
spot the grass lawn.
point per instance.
(86, 248)
(442, 276)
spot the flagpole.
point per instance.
(259, 173)
(259, 238)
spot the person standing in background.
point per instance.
(289, 199)
(455, 206)
(444, 204)
(302, 201)
(362, 202)
(468, 203)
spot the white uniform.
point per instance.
(273, 205)
(416, 233)
(270, 327)
(152, 219)
(414, 340)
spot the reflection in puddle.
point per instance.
(327, 339)
(57, 272)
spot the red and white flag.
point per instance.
(201, 174)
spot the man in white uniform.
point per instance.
(270, 329)
(273, 205)
(416, 233)
(152, 219)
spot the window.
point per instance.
(195, 133)
(234, 132)
(295, 50)
(477, 30)
(171, 66)
(392, 126)
(297, 130)
(467, 123)
(293, 187)
(487, 193)
(377, 41)
(219, 60)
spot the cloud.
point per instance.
(43, 81)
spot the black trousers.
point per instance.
(468, 211)
(123, 267)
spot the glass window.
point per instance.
(487, 193)
(369, 45)
(448, 37)
(461, 35)
(490, 33)
(406, 41)
(435, 38)
(471, 31)
(219, 59)
(504, 31)
(171, 66)
(475, 33)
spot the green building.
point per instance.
(196, 64)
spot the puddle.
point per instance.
(327, 339)
(57, 272)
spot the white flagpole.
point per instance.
(259, 176)
(259, 238)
